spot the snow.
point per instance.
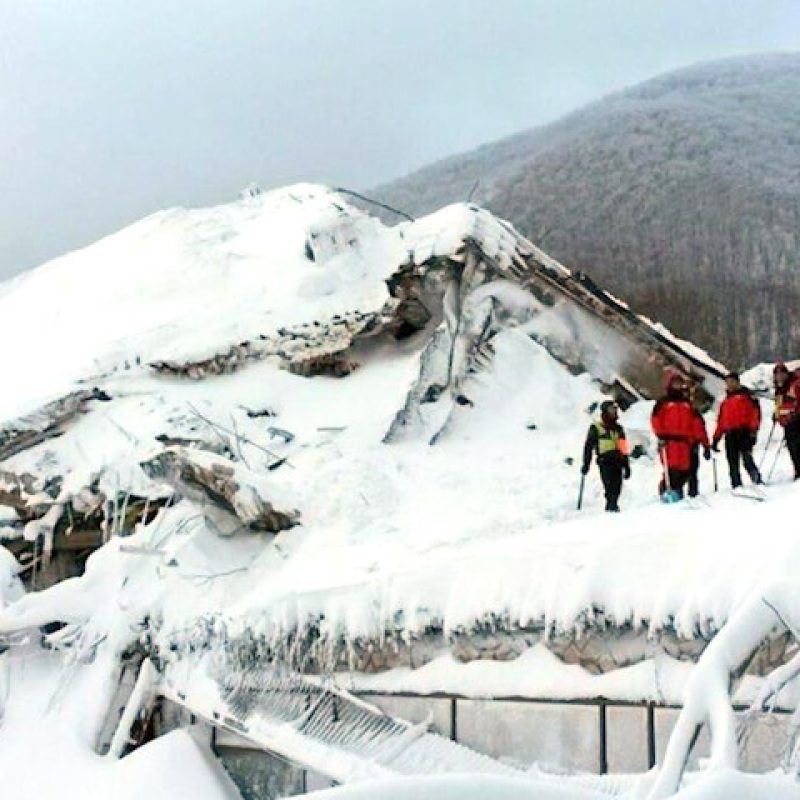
(652, 566)
(10, 585)
(43, 752)
(457, 787)
(393, 538)
(725, 785)
(182, 284)
(407, 527)
(537, 673)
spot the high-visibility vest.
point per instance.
(609, 440)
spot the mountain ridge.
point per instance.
(680, 185)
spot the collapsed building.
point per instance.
(171, 438)
(464, 277)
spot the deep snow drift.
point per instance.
(401, 537)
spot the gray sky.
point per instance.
(112, 109)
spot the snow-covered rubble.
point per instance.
(385, 425)
(298, 279)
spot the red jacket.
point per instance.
(738, 410)
(673, 421)
(787, 401)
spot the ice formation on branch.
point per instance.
(708, 696)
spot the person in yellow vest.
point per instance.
(606, 439)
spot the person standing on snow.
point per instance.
(673, 422)
(738, 421)
(787, 410)
(700, 440)
(606, 439)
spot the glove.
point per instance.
(706, 453)
(626, 472)
(715, 446)
(753, 439)
(585, 469)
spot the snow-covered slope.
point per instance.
(183, 282)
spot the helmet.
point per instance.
(607, 405)
(780, 367)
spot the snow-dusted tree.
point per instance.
(708, 698)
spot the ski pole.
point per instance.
(580, 491)
(775, 460)
(662, 453)
(714, 466)
(766, 446)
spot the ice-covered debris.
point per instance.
(321, 727)
(480, 277)
(18, 492)
(208, 478)
(318, 348)
(448, 233)
(45, 422)
(10, 584)
(44, 528)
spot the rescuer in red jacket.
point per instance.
(738, 421)
(787, 410)
(673, 422)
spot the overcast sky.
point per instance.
(112, 109)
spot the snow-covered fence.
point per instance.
(591, 735)
(319, 727)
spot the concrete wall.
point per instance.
(554, 736)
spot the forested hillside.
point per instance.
(681, 194)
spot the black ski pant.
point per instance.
(677, 480)
(739, 450)
(694, 466)
(792, 434)
(611, 474)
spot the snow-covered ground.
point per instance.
(728, 785)
(45, 741)
(403, 535)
